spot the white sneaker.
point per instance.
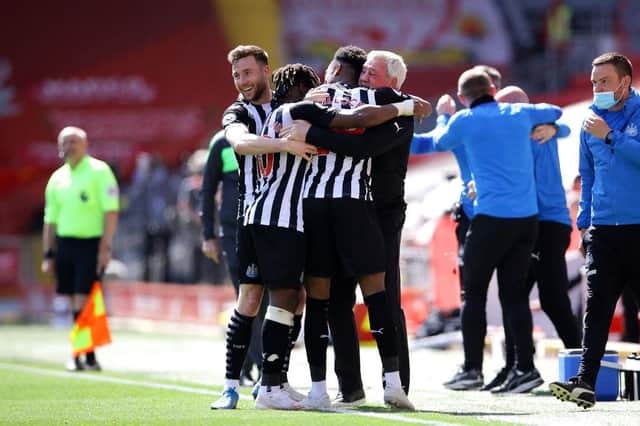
(294, 394)
(275, 399)
(316, 402)
(395, 397)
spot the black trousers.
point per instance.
(505, 245)
(612, 265)
(228, 242)
(461, 234)
(630, 306)
(341, 318)
(548, 268)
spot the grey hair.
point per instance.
(396, 68)
(72, 130)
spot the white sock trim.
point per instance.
(393, 379)
(279, 315)
(232, 383)
(318, 388)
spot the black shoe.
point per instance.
(519, 382)
(75, 364)
(575, 390)
(93, 366)
(498, 380)
(465, 380)
(350, 399)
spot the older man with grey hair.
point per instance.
(381, 69)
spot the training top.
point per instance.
(422, 143)
(552, 200)
(611, 172)
(497, 139)
(221, 166)
(76, 199)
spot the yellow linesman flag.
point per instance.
(91, 329)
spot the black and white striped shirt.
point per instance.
(333, 175)
(253, 116)
(278, 200)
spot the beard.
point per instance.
(261, 88)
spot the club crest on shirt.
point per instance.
(112, 191)
(631, 130)
(252, 271)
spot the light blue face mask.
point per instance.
(605, 100)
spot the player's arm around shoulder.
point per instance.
(542, 112)
(447, 136)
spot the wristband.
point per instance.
(49, 254)
(405, 108)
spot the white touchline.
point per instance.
(188, 389)
(101, 378)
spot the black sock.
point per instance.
(383, 330)
(316, 337)
(295, 333)
(90, 357)
(238, 337)
(74, 316)
(275, 341)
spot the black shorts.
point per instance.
(76, 262)
(271, 256)
(342, 234)
(247, 258)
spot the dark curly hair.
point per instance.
(353, 57)
(293, 76)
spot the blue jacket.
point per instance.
(552, 200)
(610, 173)
(422, 143)
(497, 140)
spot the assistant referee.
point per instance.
(80, 219)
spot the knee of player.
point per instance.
(249, 299)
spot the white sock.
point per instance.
(318, 388)
(231, 383)
(393, 379)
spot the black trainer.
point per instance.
(518, 381)
(350, 399)
(498, 380)
(465, 380)
(75, 364)
(93, 366)
(575, 390)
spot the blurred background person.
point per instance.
(152, 200)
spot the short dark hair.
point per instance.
(242, 51)
(293, 75)
(621, 63)
(493, 74)
(474, 83)
(353, 57)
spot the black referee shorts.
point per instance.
(271, 256)
(343, 235)
(76, 262)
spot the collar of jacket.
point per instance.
(482, 100)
